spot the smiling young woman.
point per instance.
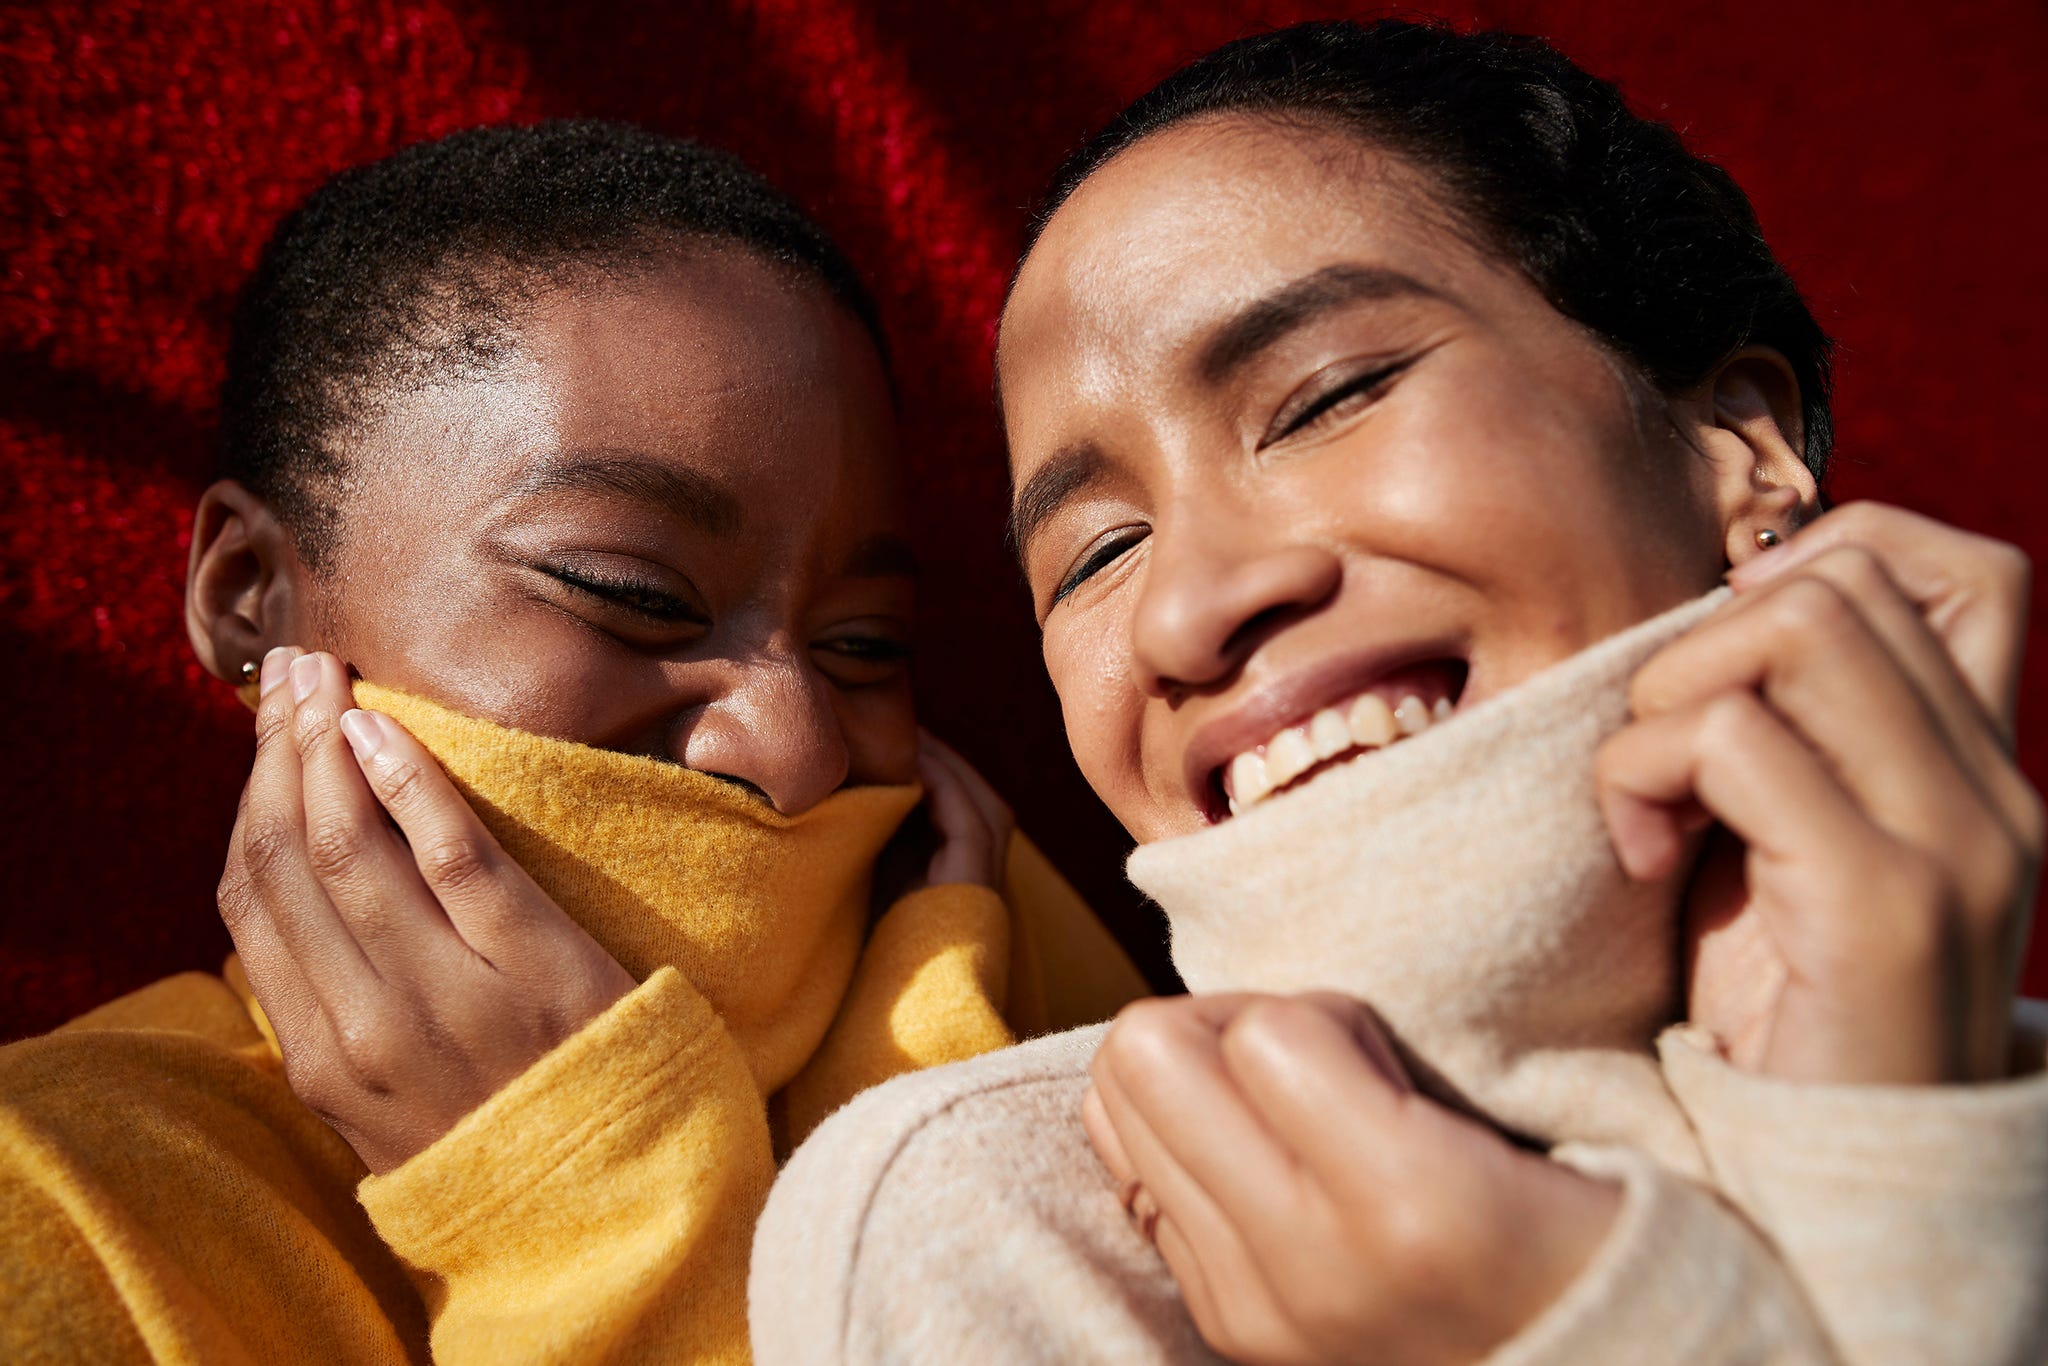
(1377, 386)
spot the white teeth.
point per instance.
(1288, 756)
(1366, 722)
(1248, 780)
(1328, 733)
(1371, 721)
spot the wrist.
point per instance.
(1560, 1220)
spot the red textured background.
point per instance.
(146, 148)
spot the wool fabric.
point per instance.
(164, 1196)
(1462, 882)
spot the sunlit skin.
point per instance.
(1283, 430)
(667, 524)
(1268, 506)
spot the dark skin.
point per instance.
(667, 524)
(1269, 415)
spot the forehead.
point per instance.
(1195, 223)
(747, 360)
(716, 360)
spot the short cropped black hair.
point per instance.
(1654, 249)
(413, 268)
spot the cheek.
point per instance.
(466, 641)
(1537, 481)
(1088, 657)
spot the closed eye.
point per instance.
(1314, 408)
(642, 599)
(1098, 558)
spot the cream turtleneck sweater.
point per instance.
(1462, 883)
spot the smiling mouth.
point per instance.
(1381, 714)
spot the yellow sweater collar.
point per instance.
(763, 913)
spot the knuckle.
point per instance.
(269, 844)
(1417, 1242)
(1731, 721)
(313, 726)
(2011, 570)
(454, 863)
(1145, 1028)
(1812, 610)
(366, 1054)
(234, 898)
(271, 723)
(400, 783)
(1857, 567)
(333, 849)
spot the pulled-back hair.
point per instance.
(413, 270)
(1655, 250)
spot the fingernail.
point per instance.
(305, 676)
(275, 665)
(365, 736)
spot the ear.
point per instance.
(1747, 420)
(243, 584)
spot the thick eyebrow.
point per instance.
(881, 556)
(1293, 306)
(693, 497)
(1058, 479)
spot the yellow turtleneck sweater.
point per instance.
(164, 1196)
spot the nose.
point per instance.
(774, 728)
(1215, 587)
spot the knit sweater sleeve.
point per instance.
(929, 989)
(1916, 1218)
(959, 1215)
(1680, 1277)
(598, 1209)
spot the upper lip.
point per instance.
(1292, 699)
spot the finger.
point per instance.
(1972, 590)
(986, 799)
(1739, 760)
(1202, 1247)
(363, 866)
(973, 822)
(967, 851)
(499, 910)
(1322, 1077)
(1221, 1318)
(1808, 649)
(1162, 1084)
(268, 848)
(1102, 1134)
(275, 978)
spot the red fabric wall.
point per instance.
(146, 148)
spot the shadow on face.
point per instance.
(665, 523)
(1285, 437)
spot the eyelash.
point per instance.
(1098, 560)
(871, 649)
(656, 605)
(1321, 407)
(648, 602)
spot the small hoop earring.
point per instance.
(1767, 538)
(249, 671)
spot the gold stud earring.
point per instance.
(1767, 538)
(249, 671)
